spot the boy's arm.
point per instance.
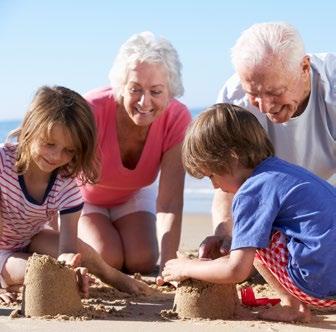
(229, 269)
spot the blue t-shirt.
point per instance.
(280, 196)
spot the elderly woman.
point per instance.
(140, 130)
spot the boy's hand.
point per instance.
(175, 269)
(214, 247)
(83, 279)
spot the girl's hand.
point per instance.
(82, 278)
(71, 259)
(176, 269)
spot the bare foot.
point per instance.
(287, 313)
(7, 296)
(132, 286)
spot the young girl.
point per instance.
(283, 214)
(55, 144)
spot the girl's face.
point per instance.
(57, 150)
(146, 93)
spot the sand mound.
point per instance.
(50, 288)
(198, 299)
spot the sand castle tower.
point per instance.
(198, 299)
(50, 288)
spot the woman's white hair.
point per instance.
(146, 47)
(261, 40)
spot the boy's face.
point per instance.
(226, 182)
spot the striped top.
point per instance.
(22, 216)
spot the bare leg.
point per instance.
(290, 309)
(128, 242)
(99, 232)
(13, 273)
(138, 234)
(46, 242)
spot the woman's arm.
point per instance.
(170, 203)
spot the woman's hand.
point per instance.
(82, 278)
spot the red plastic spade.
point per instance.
(248, 298)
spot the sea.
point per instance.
(197, 193)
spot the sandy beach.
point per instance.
(110, 310)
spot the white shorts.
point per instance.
(142, 200)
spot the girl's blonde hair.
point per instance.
(59, 105)
(220, 135)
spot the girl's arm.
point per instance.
(233, 268)
(68, 233)
(170, 204)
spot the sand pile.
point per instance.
(50, 288)
(198, 299)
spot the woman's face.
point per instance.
(146, 93)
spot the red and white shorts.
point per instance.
(275, 258)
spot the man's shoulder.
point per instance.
(324, 76)
(232, 91)
(324, 64)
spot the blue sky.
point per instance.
(73, 42)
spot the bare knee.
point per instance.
(141, 262)
(111, 256)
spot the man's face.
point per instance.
(277, 93)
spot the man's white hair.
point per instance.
(261, 40)
(146, 47)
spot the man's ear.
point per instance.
(305, 65)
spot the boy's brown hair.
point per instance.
(220, 135)
(60, 105)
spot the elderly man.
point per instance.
(293, 95)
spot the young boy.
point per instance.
(284, 216)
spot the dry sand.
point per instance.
(110, 310)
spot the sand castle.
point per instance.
(50, 288)
(198, 299)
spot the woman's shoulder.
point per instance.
(177, 110)
(99, 95)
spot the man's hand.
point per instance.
(214, 247)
